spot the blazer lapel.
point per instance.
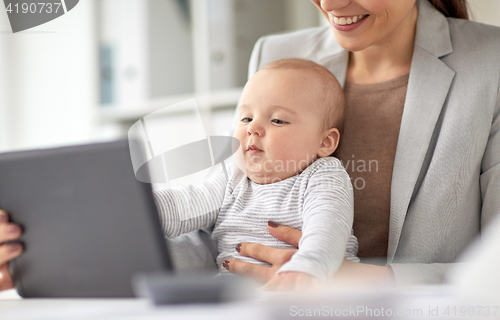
(428, 86)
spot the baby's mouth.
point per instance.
(253, 149)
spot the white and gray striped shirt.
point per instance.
(319, 201)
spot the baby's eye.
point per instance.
(246, 120)
(278, 121)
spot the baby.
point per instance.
(290, 115)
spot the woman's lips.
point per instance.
(341, 23)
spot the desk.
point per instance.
(127, 309)
(412, 303)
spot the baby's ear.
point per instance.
(330, 142)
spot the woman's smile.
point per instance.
(347, 23)
(343, 20)
(386, 23)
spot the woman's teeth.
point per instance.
(348, 20)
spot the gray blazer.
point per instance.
(446, 177)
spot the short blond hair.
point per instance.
(332, 101)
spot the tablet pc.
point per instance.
(89, 224)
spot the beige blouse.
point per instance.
(367, 150)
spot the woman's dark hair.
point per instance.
(452, 8)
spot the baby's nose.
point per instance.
(254, 130)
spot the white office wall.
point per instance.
(48, 81)
(4, 79)
(170, 49)
(486, 11)
(301, 14)
(124, 27)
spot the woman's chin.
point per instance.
(352, 44)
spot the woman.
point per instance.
(422, 95)
(423, 105)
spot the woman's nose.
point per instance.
(331, 5)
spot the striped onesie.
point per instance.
(319, 201)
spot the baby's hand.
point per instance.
(291, 281)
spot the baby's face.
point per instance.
(279, 125)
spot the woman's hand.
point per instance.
(350, 273)
(8, 231)
(362, 274)
(291, 281)
(275, 257)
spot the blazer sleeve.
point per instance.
(490, 171)
(433, 273)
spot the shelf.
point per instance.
(222, 99)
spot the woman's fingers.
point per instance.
(5, 278)
(284, 233)
(273, 256)
(256, 250)
(9, 231)
(276, 257)
(249, 269)
(4, 216)
(10, 251)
